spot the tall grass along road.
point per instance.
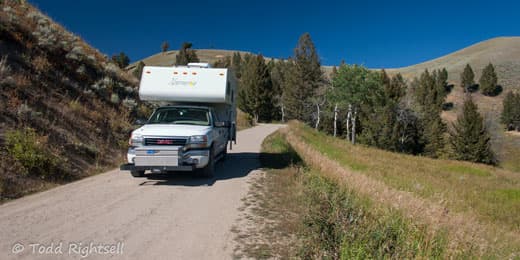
(113, 214)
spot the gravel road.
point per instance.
(113, 215)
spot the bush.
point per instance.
(12, 179)
(114, 98)
(30, 149)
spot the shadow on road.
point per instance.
(236, 165)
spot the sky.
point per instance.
(376, 34)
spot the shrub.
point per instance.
(114, 98)
(30, 149)
(76, 53)
(129, 103)
(12, 179)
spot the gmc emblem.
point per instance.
(164, 141)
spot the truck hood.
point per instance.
(171, 130)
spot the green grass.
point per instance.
(462, 186)
(326, 219)
(465, 169)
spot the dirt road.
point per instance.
(113, 215)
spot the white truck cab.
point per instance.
(193, 125)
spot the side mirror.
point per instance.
(222, 124)
(140, 121)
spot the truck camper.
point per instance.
(193, 124)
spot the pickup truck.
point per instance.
(183, 135)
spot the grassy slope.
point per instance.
(504, 53)
(487, 197)
(78, 102)
(299, 212)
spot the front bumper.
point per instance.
(166, 158)
(132, 167)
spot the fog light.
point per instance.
(195, 161)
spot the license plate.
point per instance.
(151, 151)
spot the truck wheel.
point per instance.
(224, 153)
(137, 174)
(209, 170)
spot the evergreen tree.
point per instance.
(429, 93)
(511, 111)
(444, 75)
(186, 55)
(334, 72)
(489, 81)
(395, 88)
(222, 63)
(236, 62)
(255, 93)
(467, 78)
(138, 71)
(303, 80)
(121, 60)
(165, 46)
(470, 139)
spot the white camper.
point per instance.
(193, 125)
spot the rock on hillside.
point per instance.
(64, 108)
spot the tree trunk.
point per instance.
(335, 119)
(317, 120)
(354, 126)
(283, 113)
(349, 116)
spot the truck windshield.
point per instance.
(180, 115)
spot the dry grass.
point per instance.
(244, 120)
(476, 203)
(293, 211)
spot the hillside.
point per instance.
(64, 108)
(168, 58)
(503, 52)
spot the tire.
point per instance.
(224, 154)
(209, 170)
(137, 174)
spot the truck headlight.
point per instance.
(136, 140)
(197, 141)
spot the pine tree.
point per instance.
(395, 89)
(165, 46)
(429, 92)
(236, 62)
(222, 63)
(511, 111)
(186, 55)
(470, 139)
(467, 78)
(443, 75)
(334, 72)
(121, 60)
(255, 93)
(138, 71)
(303, 81)
(489, 81)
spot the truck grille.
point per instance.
(165, 141)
